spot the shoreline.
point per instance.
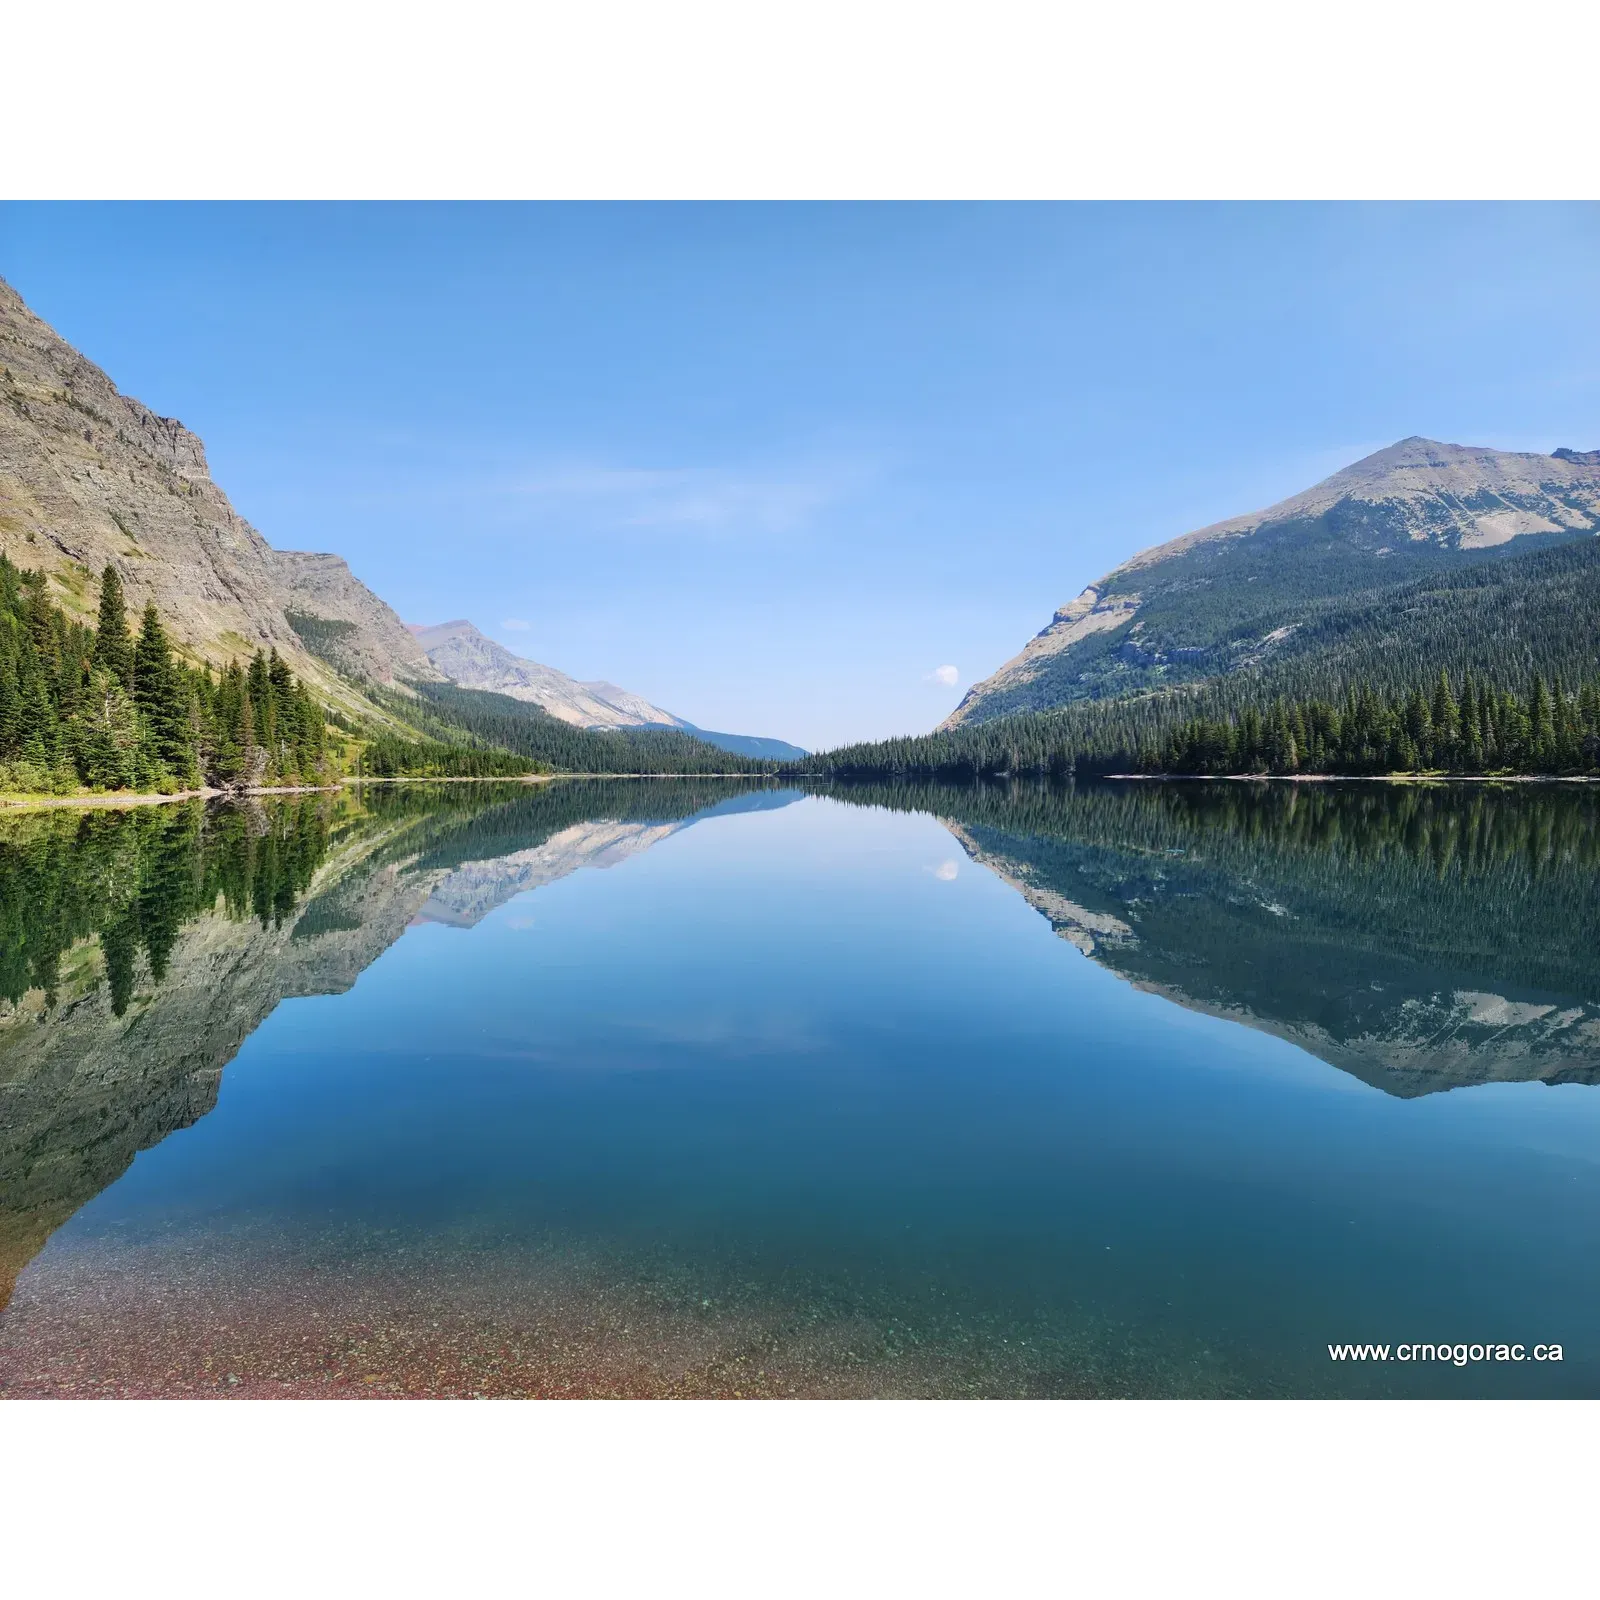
(117, 799)
(1345, 777)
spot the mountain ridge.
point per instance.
(1230, 594)
(90, 477)
(462, 653)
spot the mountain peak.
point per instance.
(1230, 595)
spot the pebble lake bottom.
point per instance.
(726, 1091)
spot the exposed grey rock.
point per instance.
(90, 477)
(465, 656)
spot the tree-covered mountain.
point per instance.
(1391, 563)
(447, 712)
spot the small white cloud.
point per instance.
(946, 676)
(516, 625)
(945, 872)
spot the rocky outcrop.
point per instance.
(89, 477)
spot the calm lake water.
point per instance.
(688, 1088)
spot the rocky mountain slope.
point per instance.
(467, 657)
(1236, 594)
(90, 477)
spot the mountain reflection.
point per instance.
(140, 948)
(1419, 937)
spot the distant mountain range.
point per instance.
(1358, 551)
(467, 657)
(90, 477)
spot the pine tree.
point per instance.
(113, 649)
(108, 734)
(162, 696)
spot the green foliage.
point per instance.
(387, 755)
(329, 640)
(1549, 730)
(1232, 727)
(98, 709)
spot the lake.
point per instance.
(704, 1088)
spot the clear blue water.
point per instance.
(813, 1066)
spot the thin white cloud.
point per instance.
(516, 625)
(947, 677)
(946, 871)
(708, 501)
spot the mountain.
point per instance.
(465, 656)
(1258, 589)
(469, 658)
(90, 477)
(749, 744)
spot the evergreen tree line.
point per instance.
(1468, 725)
(104, 708)
(1481, 729)
(391, 755)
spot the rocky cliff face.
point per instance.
(465, 656)
(1227, 595)
(90, 477)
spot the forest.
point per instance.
(108, 708)
(1470, 726)
(104, 708)
(1483, 729)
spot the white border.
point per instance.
(800, 99)
(795, 1498)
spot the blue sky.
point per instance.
(774, 466)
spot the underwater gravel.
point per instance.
(259, 1312)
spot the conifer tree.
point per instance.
(162, 696)
(113, 649)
